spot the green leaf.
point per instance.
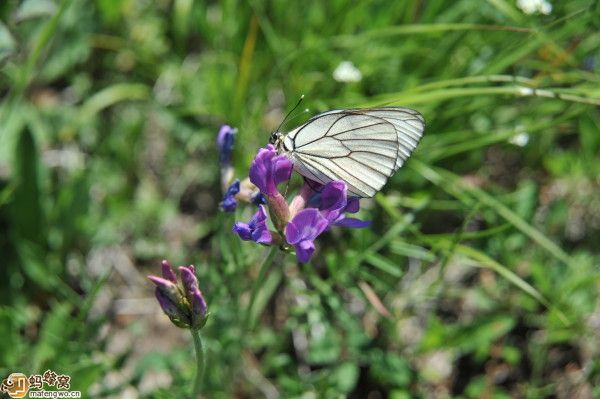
(455, 186)
(27, 215)
(84, 374)
(389, 368)
(346, 376)
(110, 10)
(384, 264)
(55, 331)
(31, 9)
(32, 263)
(7, 43)
(11, 344)
(509, 275)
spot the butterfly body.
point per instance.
(361, 146)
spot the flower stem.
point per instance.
(200, 362)
(262, 272)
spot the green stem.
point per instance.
(200, 362)
(262, 272)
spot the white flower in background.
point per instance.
(520, 139)
(69, 158)
(347, 72)
(535, 6)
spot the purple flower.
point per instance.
(168, 289)
(258, 199)
(334, 203)
(311, 212)
(302, 230)
(256, 229)
(269, 169)
(194, 296)
(171, 301)
(333, 200)
(167, 272)
(229, 203)
(225, 141)
(183, 304)
(179, 318)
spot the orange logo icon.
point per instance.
(16, 385)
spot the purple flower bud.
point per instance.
(256, 229)
(229, 202)
(225, 141)
(258, 198)
(185, 306)
(302, 230)
(188, 280)
(168, 288)
(179, 318)
(194, 296)
(269, 169)
(168, 272)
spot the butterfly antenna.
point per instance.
(305, 111)
(289, 113)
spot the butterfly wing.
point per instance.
(363, 147)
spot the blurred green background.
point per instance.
(478, 278)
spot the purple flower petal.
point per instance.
(168, 272)
(243, 230)
(268, 170)
(306, 225)
(229, 202)
(304, 250)
(199, 309)
(333, 199)
(184, 304)
(334, 202)
(256, 229)
(262, 236)
(258, 198)
(225, 141)
(193, 295)
(282, 169)
(189, 281)
(292, 234)
(352, 222)
(168, 288)
(177, 316)
(353, 205)
(303, 229)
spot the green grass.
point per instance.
(478, 278)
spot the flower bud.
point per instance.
(184, 304)
(179, 318)
(168, 272)
(193, 296)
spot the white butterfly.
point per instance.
(361, 146)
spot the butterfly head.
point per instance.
(276, 139)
